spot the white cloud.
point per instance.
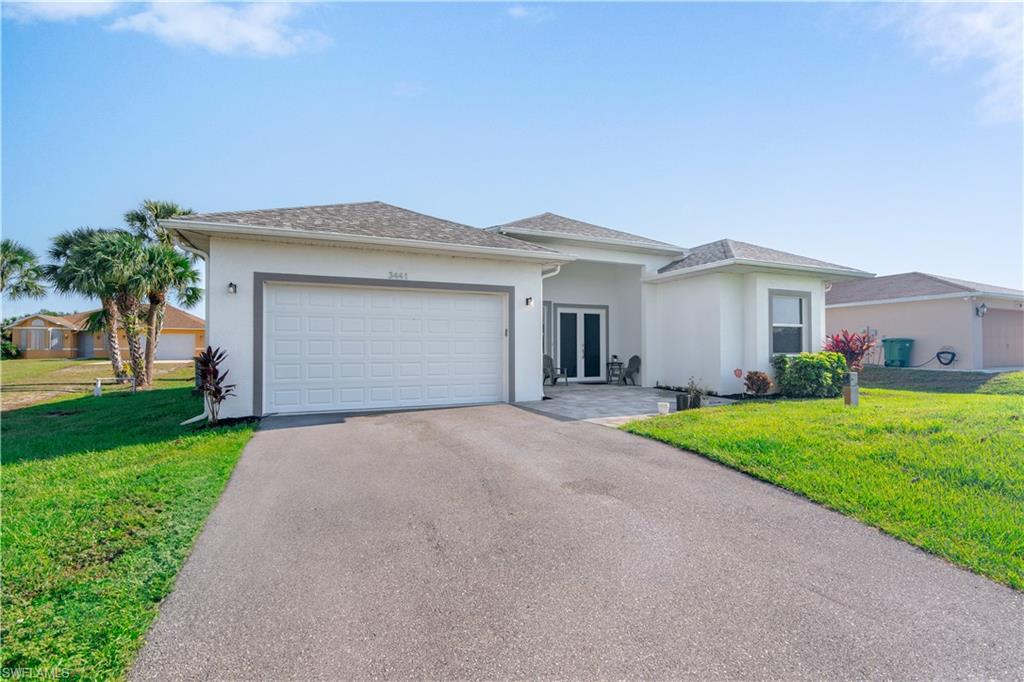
(991, 34)
(56, 11)
(528, 13)
(256, 29)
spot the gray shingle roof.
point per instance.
(368, 219)
(728, 249)
(908, 285)
(560, 225)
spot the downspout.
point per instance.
(545, 275)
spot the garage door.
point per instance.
(176, 347)
(1003, 338)
(358, 348)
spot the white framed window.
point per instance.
(788, 314)
(33, 339)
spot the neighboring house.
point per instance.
(49, 336)
(369, 306)
(981, 323)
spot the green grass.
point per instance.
(26, 382)
(944, 472)
(942, 381)
(102, 500)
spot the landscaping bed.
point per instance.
(944, 472)
(103, 498)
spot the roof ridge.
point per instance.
(292, 208)
(939, 278)
(425, 215)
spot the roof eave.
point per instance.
(28, 317)
(620, 243)
(929, 297)
(832, 274)
(410, 244)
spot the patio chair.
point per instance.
(632, 370)
(553, 373)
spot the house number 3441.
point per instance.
(398, 275)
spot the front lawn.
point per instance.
(942, 381)
(26, 382)
(941, 471)
(102, 500)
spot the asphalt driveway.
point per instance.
(492, 542)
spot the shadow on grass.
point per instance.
(931, 381)
(88, 423)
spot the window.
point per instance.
(33, 339)
(789, 322)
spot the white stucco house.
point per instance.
(354, 307)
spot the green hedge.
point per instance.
(810, 375)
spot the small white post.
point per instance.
(97, 390)
(851, 392)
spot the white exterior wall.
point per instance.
(616, 286)
(230, 316)
(708, 326)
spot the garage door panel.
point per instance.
(1003, 338)
(345, 348)
(173, 346)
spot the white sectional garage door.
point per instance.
(176, 347)
(333, 348)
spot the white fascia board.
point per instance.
(618, 243)
(825, 273)
(391, 242)
(930, 297)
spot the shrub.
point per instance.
(852, 346)
(757, 383)
(810, 375)
(8, 351)
(211, 381)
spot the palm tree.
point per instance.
(73, 271)
(19, 272)
(167, 269)
(121, 256)
(170, 269)
(144, 219)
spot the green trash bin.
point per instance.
(897, 352)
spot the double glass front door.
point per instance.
(581, 343)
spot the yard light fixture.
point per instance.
(232, 288)
(529, 301)
(981, 310)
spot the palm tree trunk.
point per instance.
(113, 345)
(128, 307)
(154, 322)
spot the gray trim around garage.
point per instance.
(262, 278)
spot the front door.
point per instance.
(581, 343)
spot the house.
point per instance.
(981, 323)
(49, 336)
(364, 306)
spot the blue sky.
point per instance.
(884, 137)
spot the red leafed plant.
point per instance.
(212, 381)
(852, 345)
(758, 383)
